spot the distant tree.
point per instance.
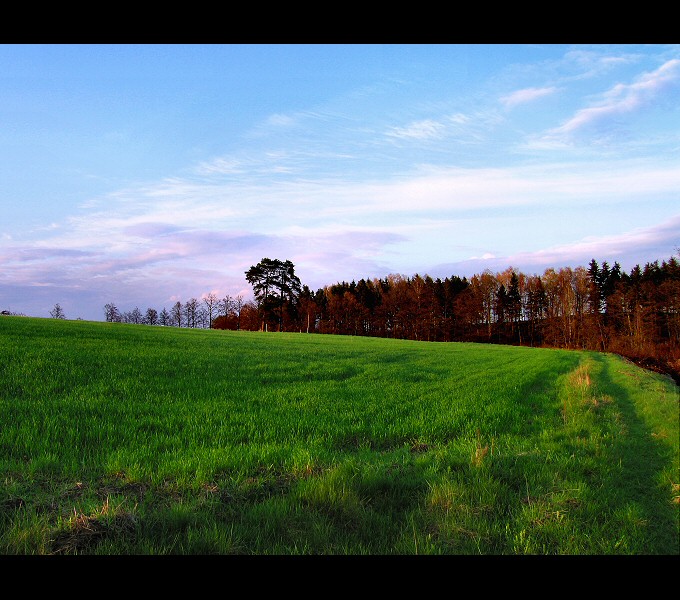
(595, 292)
(307, 310)
(483, 288)
(164, 317)
(229, 316)
(583, 320)
(176, 314)
(191, 312)
(201, 317)
(514, 306)
(211, 303)
(275, 286)
(605, 280)
(250, 319)
(535, 308)
(136, 316)
(57, 312)
(111, 313)
(238, 308)
(500, 310)
(151, 317)
(225, 305)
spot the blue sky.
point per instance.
(147, 174)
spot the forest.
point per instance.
(635, 314)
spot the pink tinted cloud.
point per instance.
(634, 247)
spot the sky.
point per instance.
(141, 175)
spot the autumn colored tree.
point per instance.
(250, 316)
(515, 308)
(599, 308)
(481, 301)
(535, 309)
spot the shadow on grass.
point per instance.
(632, 483)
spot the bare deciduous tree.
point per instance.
(226, 305)
(238, 307)
(176, 313)
(190, 312)
(151, 317)
(57, 312)
(111, 313)
(136, 316)
(211, 303)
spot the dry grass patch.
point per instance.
(85, 531)
(595, 403)
(675, 488)
(481, 451)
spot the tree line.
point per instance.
(276, 288)
(195, 313)
(601, 307)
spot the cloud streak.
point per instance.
(187, 237)
(419, 130)
(620, 100)
(526, 95)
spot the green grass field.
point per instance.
(124, 439)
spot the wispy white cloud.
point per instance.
(458, 127)
(280, 120)
(182, 238)
(419, 130)
(590, 63)
(620, 100)
(526, 95)
(219, 166)
(247, 167)
(179, 209)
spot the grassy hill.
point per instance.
(124, 439)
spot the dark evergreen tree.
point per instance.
(276, 288)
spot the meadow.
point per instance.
(131, 439)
